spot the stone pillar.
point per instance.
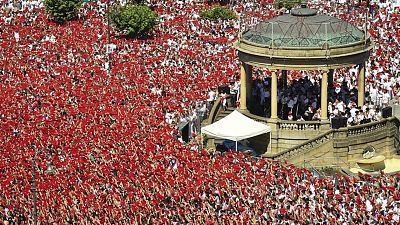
(361, 84)
(324, 96)
(243, 87)
(274, 95)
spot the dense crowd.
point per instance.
(104, 133)
(300, 100)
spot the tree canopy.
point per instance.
(218, 12)
(287, 4)
(133, 20)
(63, 10)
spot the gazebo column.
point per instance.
(274, 95)
(324, 96)
(245, 88)
(361, 84)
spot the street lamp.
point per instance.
(33, 189)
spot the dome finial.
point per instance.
(303, 4)
(303, 10)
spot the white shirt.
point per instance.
(386, 98)
(211, 96)
(16, 35)
(340, 107)
(368, 205)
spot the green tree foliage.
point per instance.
(287, 4)
(62, 10)
(133, 20)
(218, 12)
(135, 1)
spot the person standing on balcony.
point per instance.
(233, 92)
(223, 100)
(211, 96)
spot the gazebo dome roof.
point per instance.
(303, 28)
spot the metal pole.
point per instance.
(35, 216)
(201, 141)
(108, 38)
(270, 142)
(240, 25)
(272, 36)
(366, 22)
(326, 36)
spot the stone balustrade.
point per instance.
(299, 125)
(366, 128)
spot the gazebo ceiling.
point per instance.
(303, 28)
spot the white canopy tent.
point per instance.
(236, 127)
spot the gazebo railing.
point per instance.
(288, 124)
(298, 125)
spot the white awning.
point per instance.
(236, 127)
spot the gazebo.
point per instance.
(306, 41)
(302, 40)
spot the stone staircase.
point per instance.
(223, 113)
(220, 116)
